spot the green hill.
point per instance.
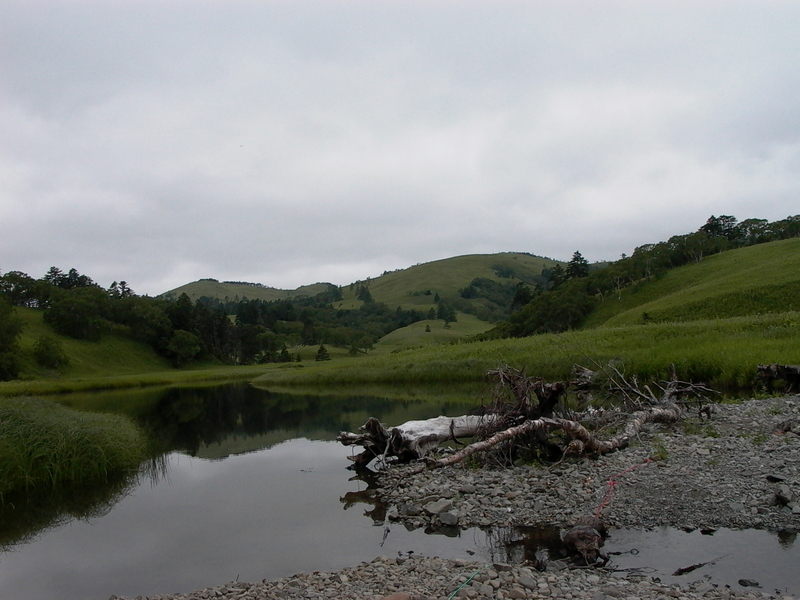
(408, 287)
(228, 290)
(754, 280)
(403, 287)
(416, 288)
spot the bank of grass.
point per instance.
(723, 353)
(45, 446)
(197, 375)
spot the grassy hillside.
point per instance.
(445, 277)
(749, 281)
(416, 335)
(116, 361)
(114, 355)
(231, 291)
(714, 320)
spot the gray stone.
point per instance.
(556, 565)
(784, 494)
(527, 581)
(448, 518)
(438, 506)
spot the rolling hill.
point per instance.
(409, 287)
(403, 287)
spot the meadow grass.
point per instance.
(415, 335)
(720, 352)
(45, 446)
(114, 354)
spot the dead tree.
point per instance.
(412, 439)
(506, 423)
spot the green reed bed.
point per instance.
(46, 446)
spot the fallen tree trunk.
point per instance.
(415, 439)
(411, 440)
(583, 441)
(522, 422)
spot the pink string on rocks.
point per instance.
(612, 483)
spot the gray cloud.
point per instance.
(287, 143)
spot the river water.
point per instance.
(251, 486)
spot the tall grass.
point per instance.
(46, 446)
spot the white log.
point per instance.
(424, 436)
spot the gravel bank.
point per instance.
(733, 471)
(726, 472)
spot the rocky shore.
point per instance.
(740, 469)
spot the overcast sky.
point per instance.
(290, 142)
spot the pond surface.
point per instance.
(251, 486)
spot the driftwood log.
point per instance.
(788, 373)
(506, 422)
(411, 440)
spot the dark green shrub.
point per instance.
(48, 352)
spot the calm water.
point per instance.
(251, 486)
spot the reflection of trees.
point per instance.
(188, 418)
(24, 516)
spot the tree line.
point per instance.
(571, 293)
(240, 332)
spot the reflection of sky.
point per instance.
(276, 512)
(748, 554)
(261, 515)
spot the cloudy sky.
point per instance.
(288, 142)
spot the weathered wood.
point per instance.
(788, 373)
(583, 441)
(412, 439)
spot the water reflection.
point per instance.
(281, 503)
(212, 422)
(215, 422)
(24, 517)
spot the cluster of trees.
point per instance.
(571, 293)
(314, 320)
(239, 332)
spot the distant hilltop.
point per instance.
(445, 277)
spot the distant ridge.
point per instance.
(399, 287)
(239, 290)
